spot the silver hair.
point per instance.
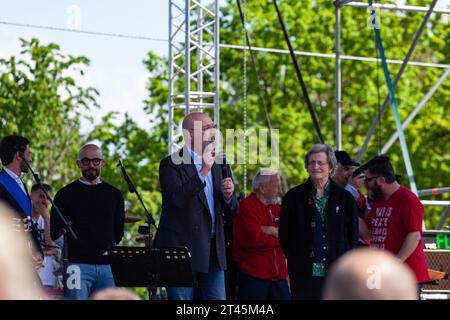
(328, 150)
(262, 177)
(89, 145)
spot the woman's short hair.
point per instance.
(328, 150)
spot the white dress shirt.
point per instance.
(16, 178)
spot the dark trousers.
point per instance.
(250, 288)
(307, 288)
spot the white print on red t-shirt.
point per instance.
(379, 226)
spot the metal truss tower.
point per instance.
(193, 61)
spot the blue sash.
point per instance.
(16, 192)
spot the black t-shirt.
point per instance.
(97, 214)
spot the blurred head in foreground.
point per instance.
(18, 279)
(370, 274)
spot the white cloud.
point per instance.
(122, 88)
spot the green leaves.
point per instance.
(310, 25)
(40, 99)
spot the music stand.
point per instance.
(151, 267)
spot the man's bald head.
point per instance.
(191, 118)
(370, 274)
(199, 131)
(89, 147)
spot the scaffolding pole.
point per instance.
(416, 110)
(337, 76)
(433, 191)
(444, 218)
(193, 61)
(397, 7)
(377, 119)
(333, 56)
(398, 122)
(438, 203)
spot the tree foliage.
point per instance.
(310, 25)
(40, 98)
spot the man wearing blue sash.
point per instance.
(13, 151)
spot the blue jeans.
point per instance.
(84, 279)
(210, 285)
(250, 288)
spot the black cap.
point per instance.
(343, 158)
(357, 172)
(381, 159)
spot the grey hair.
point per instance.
(328, 150)
(262, 177)
(88, 146)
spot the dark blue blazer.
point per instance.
(185, 218)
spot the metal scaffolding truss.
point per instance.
(193, 61)
(338, 6)
(194, 64)
(429, 10)
(395, 7)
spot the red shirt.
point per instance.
(256, 253)
(361, 204)
(391, 221)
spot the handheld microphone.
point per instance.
(224, 167)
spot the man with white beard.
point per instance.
(262, 273)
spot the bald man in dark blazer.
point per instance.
(195, 196)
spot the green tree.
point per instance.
(40, 99)
(141, 150)
(363, 83)
(315, 32)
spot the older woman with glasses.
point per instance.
(318, 223)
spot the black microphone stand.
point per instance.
(67, 225)
(150, 220)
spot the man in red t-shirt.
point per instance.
(262, 273)
(395, 220)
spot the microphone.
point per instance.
(131, 187)
(224, 167)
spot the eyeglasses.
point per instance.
(366, 180)
(87, 161)
(319, 163)
(207, 127)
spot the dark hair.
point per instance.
(10, 145)
(381, 166)
(46, 187)
(357, 172)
